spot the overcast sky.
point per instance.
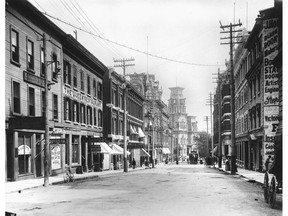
(181, 30)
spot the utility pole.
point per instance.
(123, 63)
(46, 145)
(125, 127)
(207, 119)
(231, 31)
(210, 103)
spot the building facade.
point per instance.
(117, 91)
(178, 115)
(75, 95)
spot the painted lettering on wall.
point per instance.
(270, 44)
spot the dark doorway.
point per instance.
(38, 156)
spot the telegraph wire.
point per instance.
(131, 48)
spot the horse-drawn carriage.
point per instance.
(273, 176)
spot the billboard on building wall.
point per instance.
(271, 84)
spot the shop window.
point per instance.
(16, 97)
(55, 107)
(31, 98)
(24, 154)
(30, 55)
(75, 149)
(14, 46)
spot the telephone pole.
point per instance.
(123, 63)
(207, 119)
(210, 103)
(231, 31)
(46, 144)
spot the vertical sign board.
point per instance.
(271, 85)
(56, 158)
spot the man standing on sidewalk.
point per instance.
(267, 162)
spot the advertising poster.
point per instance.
(56, 158)
(271, 85)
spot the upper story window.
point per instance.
(14, 46)
(95, 116)
(42, 64)
(82, 80)
(75, 76)
(43, 102)
(55, 107)
(94, 88)
(67, 109)
(100, 118)
(30, 55)
(88, 85)
(31, 98)
(16, 97)
(67, 73)
(99, 91)
(54, 66)
(75, 111)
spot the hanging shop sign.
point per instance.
(271, 84)
(56, 158)
(58, 141)
(81, 97)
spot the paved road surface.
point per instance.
(166, 190)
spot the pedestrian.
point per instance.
(133, 163)
(267, 162)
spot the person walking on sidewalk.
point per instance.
(267, 162)
(133, 163)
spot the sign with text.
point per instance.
(56, 158)
(271, 85)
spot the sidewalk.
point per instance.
(248, 175)
(17, 186)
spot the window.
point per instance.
(100, 118)
(16, 97)
(14, 46)
(42, 66)
(30, 54)
(99, 91)
(31, 98)
(254, 83)
(259, 82)
(95, 116)
(75, 76)
(82, 80)
(121, 127)
(67, 109)
(94, 88)
(24, 154)
(75, 149)
(54, 66)
(121, 101)
(82, 114)
(55, 107)
(88, 85)
(89, 115)
(75, 111)
(43, 102)
(67, 73)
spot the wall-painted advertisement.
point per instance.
(56, 157)
(271, 85)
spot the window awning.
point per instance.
(119, 150)
(140, 133)
(166, 151)
(144, 153)
(105, 149)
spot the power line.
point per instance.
(131, 48)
